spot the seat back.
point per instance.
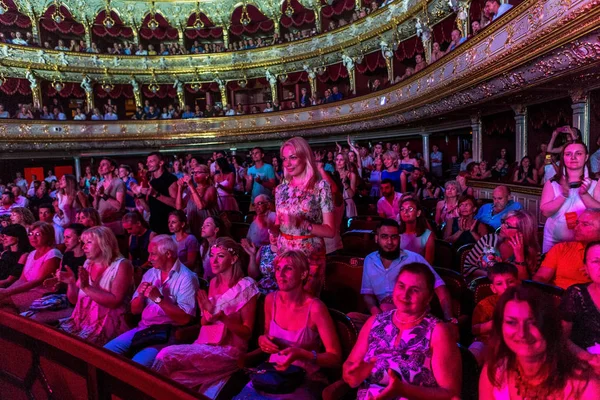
(343, 278)
(444, 255)
(482, 288)
(249, 218)
(470, 375)
(364, 222)
(554, 292)
(429, 206)
(346, 331)
(461, 256)
(239, 230)
(232, 216)
(459, 292)
(358, 244)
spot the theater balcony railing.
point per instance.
(537, 41)
(39, 362)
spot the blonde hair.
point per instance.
(26, 215)
(47, 231)
(303, 150)
(298, 260)
(390, 154)
(527, 225)
(105, 239)
(235, 250)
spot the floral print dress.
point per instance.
(410, 358)
(294, 205)
(267, 282)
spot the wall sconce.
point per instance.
(245, 18)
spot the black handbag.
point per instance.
(267, 379)
(151, 336)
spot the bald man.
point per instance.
(493, 213)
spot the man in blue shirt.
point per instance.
(261, 176)
(493, 7)
(493, 213)
(187, 113)
(336, 95)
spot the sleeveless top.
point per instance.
(411, 357)
(445, 214)
(304, 338)
(395, 178)
(138, 249)
(556, 230)
(414, 243)
(32, 269)
(406, 167)
(225, 199)
(267, 282)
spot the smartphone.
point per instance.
(575, 185)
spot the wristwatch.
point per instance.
(159, 299)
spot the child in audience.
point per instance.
(502, 275)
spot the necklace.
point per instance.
(527, 390)
(409, 321)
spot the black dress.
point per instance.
(577, 307)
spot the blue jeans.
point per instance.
(145, 357)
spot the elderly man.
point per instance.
(265, 218)
(387, 205)
(492, 214)
(563, 264)
(493, 7)
(166, 297)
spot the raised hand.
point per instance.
(66, 276)
(354, 373)
(585, 186)
(204, 302)
(516, 242)
(267, 345)
(249, 247)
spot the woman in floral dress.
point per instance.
(304, 209)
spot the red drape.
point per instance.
(118, 91)
(13, 17)
(337, 8)
(68, 25)
(118, 30)
(209, 29)
(205, 87)
(70, 89)
(252, 83)
(163, 91)
(334, 72)
(371, 62)
(296, 77)
(164, 30)
(258, 21)
(442, 30)
(300, 17)
(16, 85)
(408, 48)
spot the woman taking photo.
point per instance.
(40, 264)
(298, 331)
(188, 247)
(16, 248)
(581, 313)
(406, 352)
(228, 312)
(415, 235)
(224, 182)
(448, 208)
(516, 243)
(526, 174)
(212, 229)
(529, 357)
(567, 194)
(261, 267)
(101, 291)
(197, 197)
(304, 209)
(349, 181)
(465, 229)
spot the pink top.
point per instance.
(33, 268)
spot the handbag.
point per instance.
(211, 334)
(151, 336)
(267, 379)
(51, 302)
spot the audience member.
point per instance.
(15, 249)
(258, 234)
(493, 214)
(261, 176)
(391, 171)
(88, 217)
(496, 9)
(349, 181)
(224, 182)
(212, 229)
(261, 263)
(161, 194)
(525, 174)
(465, 229)
(388, 204)
(197, 196)
(448, 208)
(46, 214)
(140, 236)
(8, 203)
(415, 234)
(188, 247)
(22, 216)
(109, 196)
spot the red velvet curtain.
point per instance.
(300, 17)
(16, 85)
(70, 89)
(13, 17)
(205, 87)
(296, 77)
(252, 83)
(118, 30)
(371, 62)
(258, 21)
(118, 91)
(67, 26)
(442, 31)
(408, 48)
(164, 30)
(334, 72)
(209, 29)
(337, 8)
(163, 91)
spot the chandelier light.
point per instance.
(57, 16)
(321, 70)
(289, 10)
(245, 18)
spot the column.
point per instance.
(426, 150)
(87, 33)
(77, 161)
(581, 113)
(317, 11)
(209, 99)
(476, 137)
(226, 37)
(180, 37)
(521, 131)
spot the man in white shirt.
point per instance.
(19, 40)
(388, 204)
(466, 160)
(493, 7)
(20, 200)
(51, 177)
(166, 296)
(228, 111)
(436, 162)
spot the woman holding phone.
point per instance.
(567, 194)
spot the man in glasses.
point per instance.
(382, 267)
(493, 213)
(563, 264)
(258, 233)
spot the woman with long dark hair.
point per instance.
(526, 174)
(16, 247)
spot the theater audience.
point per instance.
(388, 205)
(304, 208)
(188, 247)
(502, 276)
(41, 262)
(166, 298)
(527, 355)
(22, 216)
(298, 331)
(197, 196)
(448, 208)
(109, 196)
(15, 249)
(563, 265)
(101, 290)
(258, 233)
(212, 229)
(140, 236)
(516, 243)
(415, 234)
(465, 229)
(161, 194)
(228, 311)
(567, 194)
(406, 352)
(46, 214)
(526, 174)
(492, 214)
(261, 266)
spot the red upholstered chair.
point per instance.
(343, 278)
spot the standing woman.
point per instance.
(448, 208)
(224, 182)
(188, 247)
(567, 194)
(212, 229)
(526, 174)
(391, 171)
(197, 196)
(304, 209)
(68, 201)
(240, 173)
(375, 177)
(349, 181)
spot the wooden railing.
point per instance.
(39, 362)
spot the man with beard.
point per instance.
(381, 268)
